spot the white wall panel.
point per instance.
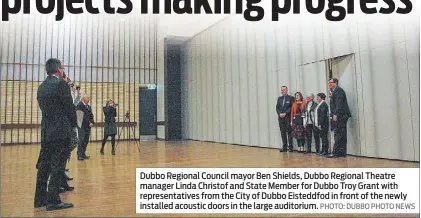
(244, 88)
(340, 38)
(313, 78)
(253, 96)
(195, 69)
(271, 89)
(261, 91)
(379, 32)
(215, 85)
(209, 87)
(222, 96)
(236, 95)
(413, 51)
(308, 48)
(403, 85)
(190, 90)
(386, 118)
(229, 113)
(203, 88)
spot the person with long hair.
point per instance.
(110, 128)
(297, 121)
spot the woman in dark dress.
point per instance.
(110, 128)
(297, 123)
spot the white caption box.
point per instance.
(277, 190)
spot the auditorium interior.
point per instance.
(201, 92)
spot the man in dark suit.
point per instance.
(309, 123)
(321, 122)
(58, 120)
(85, 130)
(283, 110)
(339, 115)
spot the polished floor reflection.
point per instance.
(105, 185)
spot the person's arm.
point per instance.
(278, 106)
(67, 102)
(292, 109)
(114, 112)
(91, 118)
(340, 102)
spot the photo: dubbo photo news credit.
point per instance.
(210, 108)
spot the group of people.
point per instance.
(62, 131)
(303, 119)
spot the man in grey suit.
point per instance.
(58, 120)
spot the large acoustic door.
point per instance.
(147, 110)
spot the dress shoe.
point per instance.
(40, 204)
(335, 156)
(113, 152)
(80, 158)
(67, 188)
(60, 206)
(102, 152)
(67, 177)
(283, 150)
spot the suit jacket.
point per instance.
(286, 107)
(88, 116)
(339, 105)
(308, 115)
(323, 116)
(58, 112)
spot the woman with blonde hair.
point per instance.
(110, 128)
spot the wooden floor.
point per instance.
(105, 185)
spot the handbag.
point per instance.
(298, 119)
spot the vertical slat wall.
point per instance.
(232, 98)
(107, 55)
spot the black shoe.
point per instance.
(40, 204)
(113, 152)
(60, 206)
(80, 158)
(67, 188)
(101, 151)
(332, 156)
(67, 177)
(283, 150)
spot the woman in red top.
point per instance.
(297, 114)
